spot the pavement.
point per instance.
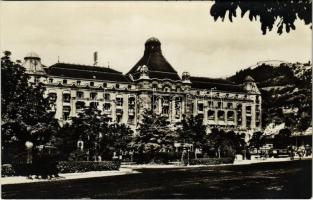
(68, 176)
(131, 169)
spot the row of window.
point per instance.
(91, 83)
(92, 96)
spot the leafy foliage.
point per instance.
(268, 12)
(286, 86)
(226, 144)
(257, 140)
(25, 112)
(154, 134)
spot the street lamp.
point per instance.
(29, 145)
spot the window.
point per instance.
(92, 84)
(229, 105)
(230, 116)
(36, 79)
(107, 106)
(64, 81)
(66, 98)
(79, 95)
(94, 104)
(117, 86)
(131, 101)
(50, 80)
(220, 115)
(80, 105)
(105, 85)
(119, 101)
(107, 97)
(248, 109)
(78, 82)
(52, 97)
(155, 86)
(129, 86)
(211, 114)
(93, 95)
(219, 104)
(210, 104)
(200, 107)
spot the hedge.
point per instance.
(159, 157)
(86, 166)
(7, 170)
(61, 167)
(211, 161)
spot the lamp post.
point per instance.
(29, 145)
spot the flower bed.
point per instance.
(86, 166)
(211, 161)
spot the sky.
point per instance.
(191, 40)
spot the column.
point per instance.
(160, 105)
(173, 109)
(244, 121)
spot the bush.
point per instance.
(211, 161)
(7, 170)
(159, 157)
(86, 166)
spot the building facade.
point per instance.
(152, 84)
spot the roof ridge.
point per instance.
(91, 66)
(89, 70)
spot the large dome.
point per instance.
(153, 40)
(158, 66)
(32, 55)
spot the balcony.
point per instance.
(131, 112)
(107, 112)
(119, 111)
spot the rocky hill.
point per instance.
(286, 90)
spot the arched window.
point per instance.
(221, 115)
(230, 116)
(211, 114)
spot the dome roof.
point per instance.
(32, 55)
(249, 79)
(158, 66)
(153, 40)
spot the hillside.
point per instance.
(286, 90)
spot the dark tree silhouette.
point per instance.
(268, 12)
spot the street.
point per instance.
(263, 180)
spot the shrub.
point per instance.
(211, 161)
(86, 166)
(7, 170)
(159, 157)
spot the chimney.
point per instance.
(95, 58)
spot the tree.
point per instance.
(268, 12)
(90, 127)
(154, 134)
(226, 144)
(282, 139)
(119, 137)
(257, 140)
(193, 131)
(25, 111)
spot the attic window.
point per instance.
(92, 83)
(78, 82)
(64, 81)
(105, 85)
(50, 80)
(117, 85)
